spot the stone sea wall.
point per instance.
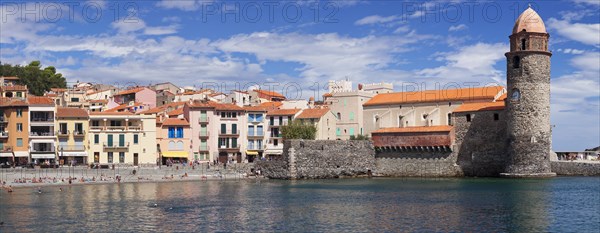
(417, 164)
(572, 168)
(314, 159)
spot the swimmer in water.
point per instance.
(60, 189)
(39, 190)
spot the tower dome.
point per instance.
(529, 21)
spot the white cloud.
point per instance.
(459, 27)
(581, 32)
(376, 19)
(164, 30)
(473, 63)
(127, 26)
(185, 5)
(571, 51)
(591, 2)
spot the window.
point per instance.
(19, 142)
(250, 130)
(233, 128)
(496, 117)
(468, 117)
(272, 121)
(179, 132)
(223, 129)
(96, 138)
(259, 130)
(20, 94)
(63, 128)
(79, 128)
(516, 95)
(19, 112)
(110, 157)
(19, 127)
(121, 140)
(136, 138)
(171, 145)
(449, 118)
(516, 62)
(95, 123)
(74, 99)
(351, 131)
(523, 46)
(351, 116)
(121, 157)
(251, 118)
(275, 142)
(339, 116)
(338, 132)
(250, 145)
(234, 143)
(400, 121)
(234, 114)
(171, 132)
(259, 117)
(179, 145)
(222, 114)
(109, 140)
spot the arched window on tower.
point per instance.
(516, 62)
(516, 95)
(523, 43)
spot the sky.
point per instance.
(295, 47)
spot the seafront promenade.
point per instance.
(26, 177)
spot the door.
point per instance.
(223, 157)
(110, 140)
(239, 157)
(121, 140)
(135, 159)
(96, 157)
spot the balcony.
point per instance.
(3, 134)
(79, 133)
(6, 149)
(115, 128)
(134, 128)
(42, 119)
(202, 120)
(116, 148)
(256, 147)
(235, 148)
(71, 148)
(229, 133)
(41, 134)
(204, 148)
(43, 150)
(61, 133)
(96, 128)
(203, 134)
(258, 134)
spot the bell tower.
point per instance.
(528, 101)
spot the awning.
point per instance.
(6, 154)
(73, 154)
(175, 154)
(21, 153)
(251, 152)
(43, 156)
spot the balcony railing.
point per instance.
(79, 133)
(39, 151)
(61, 133)
(41, 134)
(96, 128)
(223, 147)
(6, 149)
(115, 128)
(229, 132)
(42, 119)
(203, 134)
(3, 134)
(255, 134)
(116, 145)
(256, 147)
(134, 127)
(71, 148)
(203, 120)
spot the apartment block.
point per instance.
(42, 137)
(72, 130)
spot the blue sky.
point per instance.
(300, 45)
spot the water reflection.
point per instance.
(407, 205)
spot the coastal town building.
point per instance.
(348, 108)
(122, 138)
(72, 132)
(256, 131)
(10, 88)
(277, 118)
(42, 138)
(14, 135)
(323, 119)
(142, 95)
(174, 140)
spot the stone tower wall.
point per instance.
(528, 116)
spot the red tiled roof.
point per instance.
(124, 106)
(463, 94)
(39, 100)
(50, 95)
(11, 78)
(176, 122)
(109, 113)
(415, 129)
(312, 113)
(131, 91)
(98, 101)
(480, 106)
(71, 112)
(283, 112)
(58, 89)
(255, 108)
(228, 107)
(270, 93)
(176, 112)
(271, 105)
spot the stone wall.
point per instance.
(421, 164)
(570, 168)
(481, 143)
(312, 159)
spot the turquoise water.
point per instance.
(564, 204)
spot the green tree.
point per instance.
(359, 137)
(38, 80)
(298, 130)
